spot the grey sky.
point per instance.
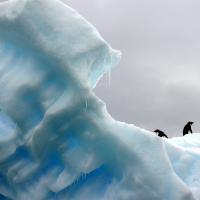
(157, 83)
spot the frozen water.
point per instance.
(57, 140)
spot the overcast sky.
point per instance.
(157, 84)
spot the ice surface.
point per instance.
(57, 140)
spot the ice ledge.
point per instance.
(86, 53)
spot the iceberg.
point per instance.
(57, 140)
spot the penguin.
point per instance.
(160, 133)
(187, 128)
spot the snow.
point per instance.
(57, 140)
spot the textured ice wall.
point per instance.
(57, 140)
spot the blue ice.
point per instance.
(57, 140)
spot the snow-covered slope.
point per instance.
(57, 140)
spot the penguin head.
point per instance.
(158, 131)
(190, 123)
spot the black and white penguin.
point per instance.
(187, 128)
